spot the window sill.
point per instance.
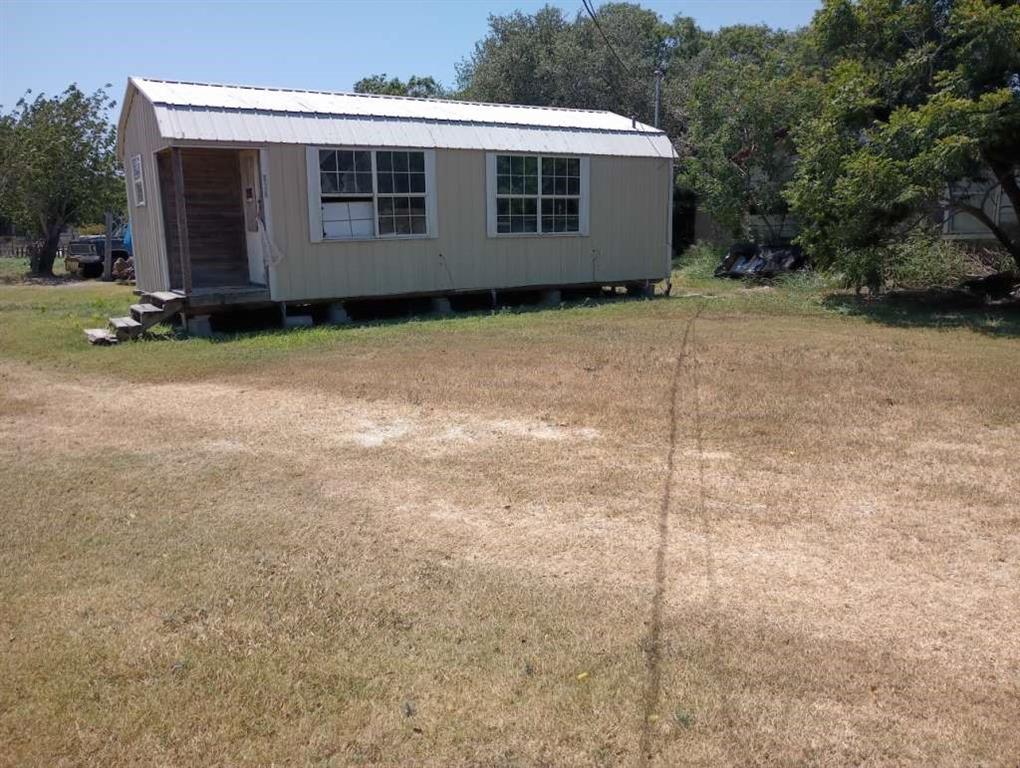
(515, 235)
(373, 239)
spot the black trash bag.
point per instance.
(752, 260)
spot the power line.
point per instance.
(591, 12)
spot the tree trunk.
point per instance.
(1004, 167)
(1011, 244)
(41, 262)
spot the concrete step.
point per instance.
(126, 327)
(100, 336)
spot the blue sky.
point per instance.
(316, 45)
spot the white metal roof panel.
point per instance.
(202, 112)
(273, 128)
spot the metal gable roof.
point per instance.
(227, 113)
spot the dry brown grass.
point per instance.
(439, 548)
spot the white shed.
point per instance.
(265, 194)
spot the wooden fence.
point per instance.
(21, 250)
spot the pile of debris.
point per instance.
(124, 270)
(761, 261)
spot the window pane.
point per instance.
(531, 165)
(417, 206)
(362, 228)
(531, 224)
(400, 182)
(547, 223)
(403, 225)
(573, 167)
(517, 185)
(385, 225)
(516, 223)
(572, 224)
(503, 224)
(547, 207)
(571, 207)
(503, 164)
(516, 206)
(417, 182)
(327, 160)
(416, 162)
(383, 161)
(363, 161)
(364, 183)
(503, 185)
(385, 181)
(385, 206)
(345, 160)
(328, 183)
(530, 205)
(531, 185)
(400, 161)
(400, 206)
(560, 187)
(503, 207)
(547, 185)
(573, 186)
(418, 225)
(346, 183)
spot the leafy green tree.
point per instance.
(546, 59)
(419, 87)
(921, 100)
(738, 100)
(58, 166)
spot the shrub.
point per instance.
(699, 261)
(924, 260)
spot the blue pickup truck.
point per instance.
(85, 256)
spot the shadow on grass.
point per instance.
(249, 324)
(992, 320)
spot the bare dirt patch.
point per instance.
(448, 556)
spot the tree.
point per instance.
(419, 87)
(545, 59)
(738, 100)
(921, 102)
(58, 166)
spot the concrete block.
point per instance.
(199, 325)
(297, 321)
(441, 306)
(338, 314)
(551, 298)
(644, 290)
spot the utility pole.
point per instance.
(658, 94)
(108, 248)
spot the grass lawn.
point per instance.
(740, 526)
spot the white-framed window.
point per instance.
(137, 180)
(364, 194)
(982, 194)
(530, 195)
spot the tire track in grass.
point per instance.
(653, 642)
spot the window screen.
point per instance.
(539, 195)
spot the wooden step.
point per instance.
(147, 314)
(165, 299)
(126, 327)
(100, 336)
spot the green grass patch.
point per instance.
(42, 323)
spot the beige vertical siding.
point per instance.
(628, 238)
(141, 137)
